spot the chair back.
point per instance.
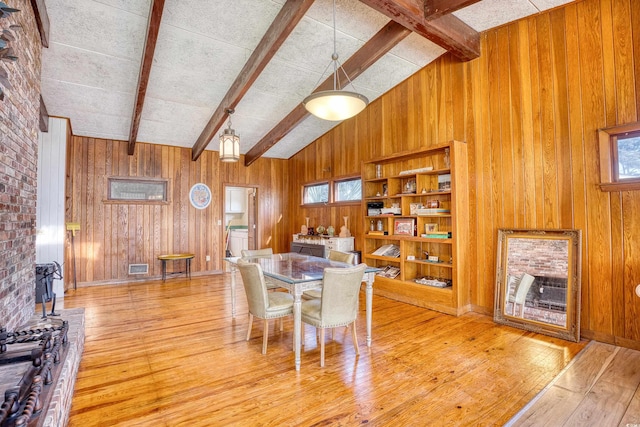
(341, 256)
(523, 288)
(340, 292)
(256, 252)
(254, 287)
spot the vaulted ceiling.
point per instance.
(166, 71)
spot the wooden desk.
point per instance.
(298, 273)
(175, 257)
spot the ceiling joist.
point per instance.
(153, 26)
(381, 43)
(290, 14)
(446, 31)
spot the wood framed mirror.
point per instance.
(538, 281)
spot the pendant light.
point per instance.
(336, 104)
(229, 143)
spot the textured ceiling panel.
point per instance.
(492, 13)
(90, 71)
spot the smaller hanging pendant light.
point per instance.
(229, 143)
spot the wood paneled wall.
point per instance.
(529, 108)
(114, 235)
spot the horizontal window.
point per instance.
(316, 193)
(133, 189)
(348, 190)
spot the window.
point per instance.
(316, 193)
(348, 190)
(138, 190)
(620, 157)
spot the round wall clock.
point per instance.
(200, 196)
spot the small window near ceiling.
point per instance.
(315, 193)
(628, 151)
(348, 190)
(620, 157)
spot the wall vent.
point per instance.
(138, 268)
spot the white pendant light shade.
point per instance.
(229, 146)
(335, 105)
(229, 143)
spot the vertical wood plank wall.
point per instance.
(529, 108)
(114, 235)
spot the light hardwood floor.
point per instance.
(600, 387)
(170, 354)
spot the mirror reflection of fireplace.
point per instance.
(545, 300)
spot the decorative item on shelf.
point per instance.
(435, 282)
(424, 190)
(380, 226)
(444, 182)
(344, 231)
(432, 204)
(320, 229)
(430, 227)
(419, 170)
(331, 231)
(385, 191)
(404, 226)
(410, 186)
(311, 231)
(378, 171)
(371, 226)
(426, 254)
(305, 228)
(447, 160)
(413, 207)
(229, 142)
(336, 104)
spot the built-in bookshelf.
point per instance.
(417, 225)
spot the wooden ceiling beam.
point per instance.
(289, 16)
(381, 43)
(153, 26)
(446, 31)
(434, 9)
(42, 20)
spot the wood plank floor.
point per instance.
(170, 354)
(600, 387)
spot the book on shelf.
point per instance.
(378, 233)
(437, 235)
(389, 271)
(389, 250)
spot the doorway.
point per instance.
(240, 219)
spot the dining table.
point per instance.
(297, 273)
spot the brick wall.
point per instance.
(19, 114)
(550, 258)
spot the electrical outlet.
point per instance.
(208, 258)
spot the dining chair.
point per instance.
(333, 256)
(246, 253)
(263, 304)
(338, 303)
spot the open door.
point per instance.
(240, 219)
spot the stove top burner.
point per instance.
(33, 354)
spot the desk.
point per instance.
(298, 273)
(176, 257)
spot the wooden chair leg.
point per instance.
(265, 337)
(355, 337)
(321, 347)
(250, 325)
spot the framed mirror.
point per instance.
(538, 281)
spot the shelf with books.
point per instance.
(426, 189)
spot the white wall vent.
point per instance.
(138, 268)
